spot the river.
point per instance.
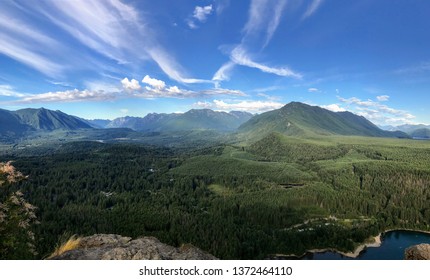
(393, 247)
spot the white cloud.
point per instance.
(313, 90)
(157, 84)
(174, 90)
(334, 108)
(383, 97)
(312, 8)
(222, 91)
(273, 24)
(376, 112)
(130, 85)
(68, 96)
(263, 17)
(245, 105)
(171, 68)
(24, 53)
(113, 29)
(9, 91)
(191, 24)
(223, 74)
(357, 101)
(239, 56)
(28, 46)
(124, 111)
(204, 104)
(201, 13)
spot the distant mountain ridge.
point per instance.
(408, 128)
(194, 119)
(299, 119)
(414, 130)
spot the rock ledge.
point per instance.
(117, 247)
(418, 252)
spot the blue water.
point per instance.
(393, 247)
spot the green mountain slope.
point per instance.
(195, 119)
(298, 119)
(43, 119)
(11, 126)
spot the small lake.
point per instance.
(393, 247)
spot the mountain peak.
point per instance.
(300, 119)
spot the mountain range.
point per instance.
(414, 130)
(194, 119)
(294, 119)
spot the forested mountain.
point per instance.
(195, 119)
(45, 119)
(151, 122)
(16, 124)
(11, 126)
(298, 119)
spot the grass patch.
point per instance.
(71, 244)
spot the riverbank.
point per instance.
(376, 242)
(372, 242)
(404, 229)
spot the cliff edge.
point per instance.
(117, 247)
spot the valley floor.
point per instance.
(280, 195)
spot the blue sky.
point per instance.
(106, 59)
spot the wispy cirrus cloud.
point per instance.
(312, 8)
(169, 66)
(264, 17)
(420, 68)
(116, 31)
(239, 56)
(26, 45)
(223, 73)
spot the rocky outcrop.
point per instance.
(418, 252)
(117, 247)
